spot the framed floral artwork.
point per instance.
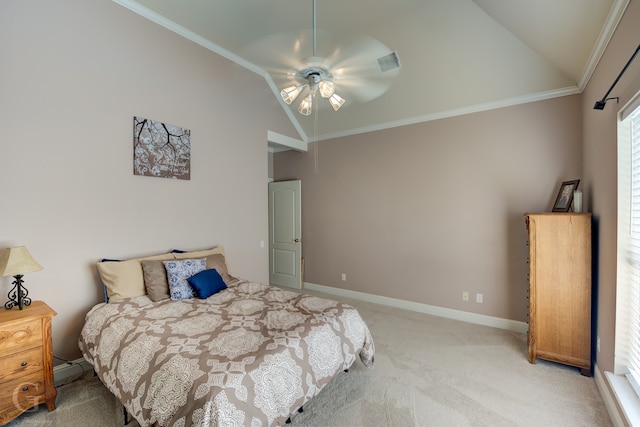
(161, 150)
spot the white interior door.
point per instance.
(285, 232)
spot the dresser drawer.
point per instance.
(22, 392)
(20, 364)
(20, 336)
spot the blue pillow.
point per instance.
(207, 283)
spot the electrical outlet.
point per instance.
(479, 298)
(344, 277)
(465, 296)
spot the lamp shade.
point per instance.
(290, 94)
(17, 261)
(336, 101)
(326, 88)
(305, 105)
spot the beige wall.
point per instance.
(73, 75)
(425, 212)
(600, 163)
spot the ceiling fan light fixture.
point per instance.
(326, 88)
(289, 94)
(336, 101)
(318, 79)
(305, 105)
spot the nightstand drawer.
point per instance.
(22, 392)
(20, 364)
(20, 336)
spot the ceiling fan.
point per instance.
(318, 79)
(354, 68)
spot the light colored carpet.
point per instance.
(429, 371)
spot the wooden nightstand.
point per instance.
(26, 360)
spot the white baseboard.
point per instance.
(608, 398)
(67, 372)
(480, 319)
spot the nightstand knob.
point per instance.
(23, 364)
(25, 388)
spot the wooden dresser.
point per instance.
(26, 360)
(560, 288)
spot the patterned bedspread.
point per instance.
(250, 355)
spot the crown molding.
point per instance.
(510, 102)
(609, 28)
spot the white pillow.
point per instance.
(178, 271)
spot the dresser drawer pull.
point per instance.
(25, 388)
(23, 364)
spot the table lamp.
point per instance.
(16, 262)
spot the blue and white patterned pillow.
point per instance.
(178, 271)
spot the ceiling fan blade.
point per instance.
(359, 48)
(280, 50)
(355, 68)
(362, 90)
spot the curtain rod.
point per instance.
(600, 104)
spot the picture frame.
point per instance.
(161, 150)
(565, 196)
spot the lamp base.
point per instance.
(18, 295)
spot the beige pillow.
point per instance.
(125, 279)
(215, 259)
(155, 279)
(218, 262)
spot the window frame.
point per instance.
(625, 380)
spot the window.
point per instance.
(627, 351)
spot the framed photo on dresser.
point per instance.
(565, 196)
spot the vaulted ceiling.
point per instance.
(456, 56)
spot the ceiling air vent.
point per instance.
(388, 62)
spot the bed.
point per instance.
(250, 354)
